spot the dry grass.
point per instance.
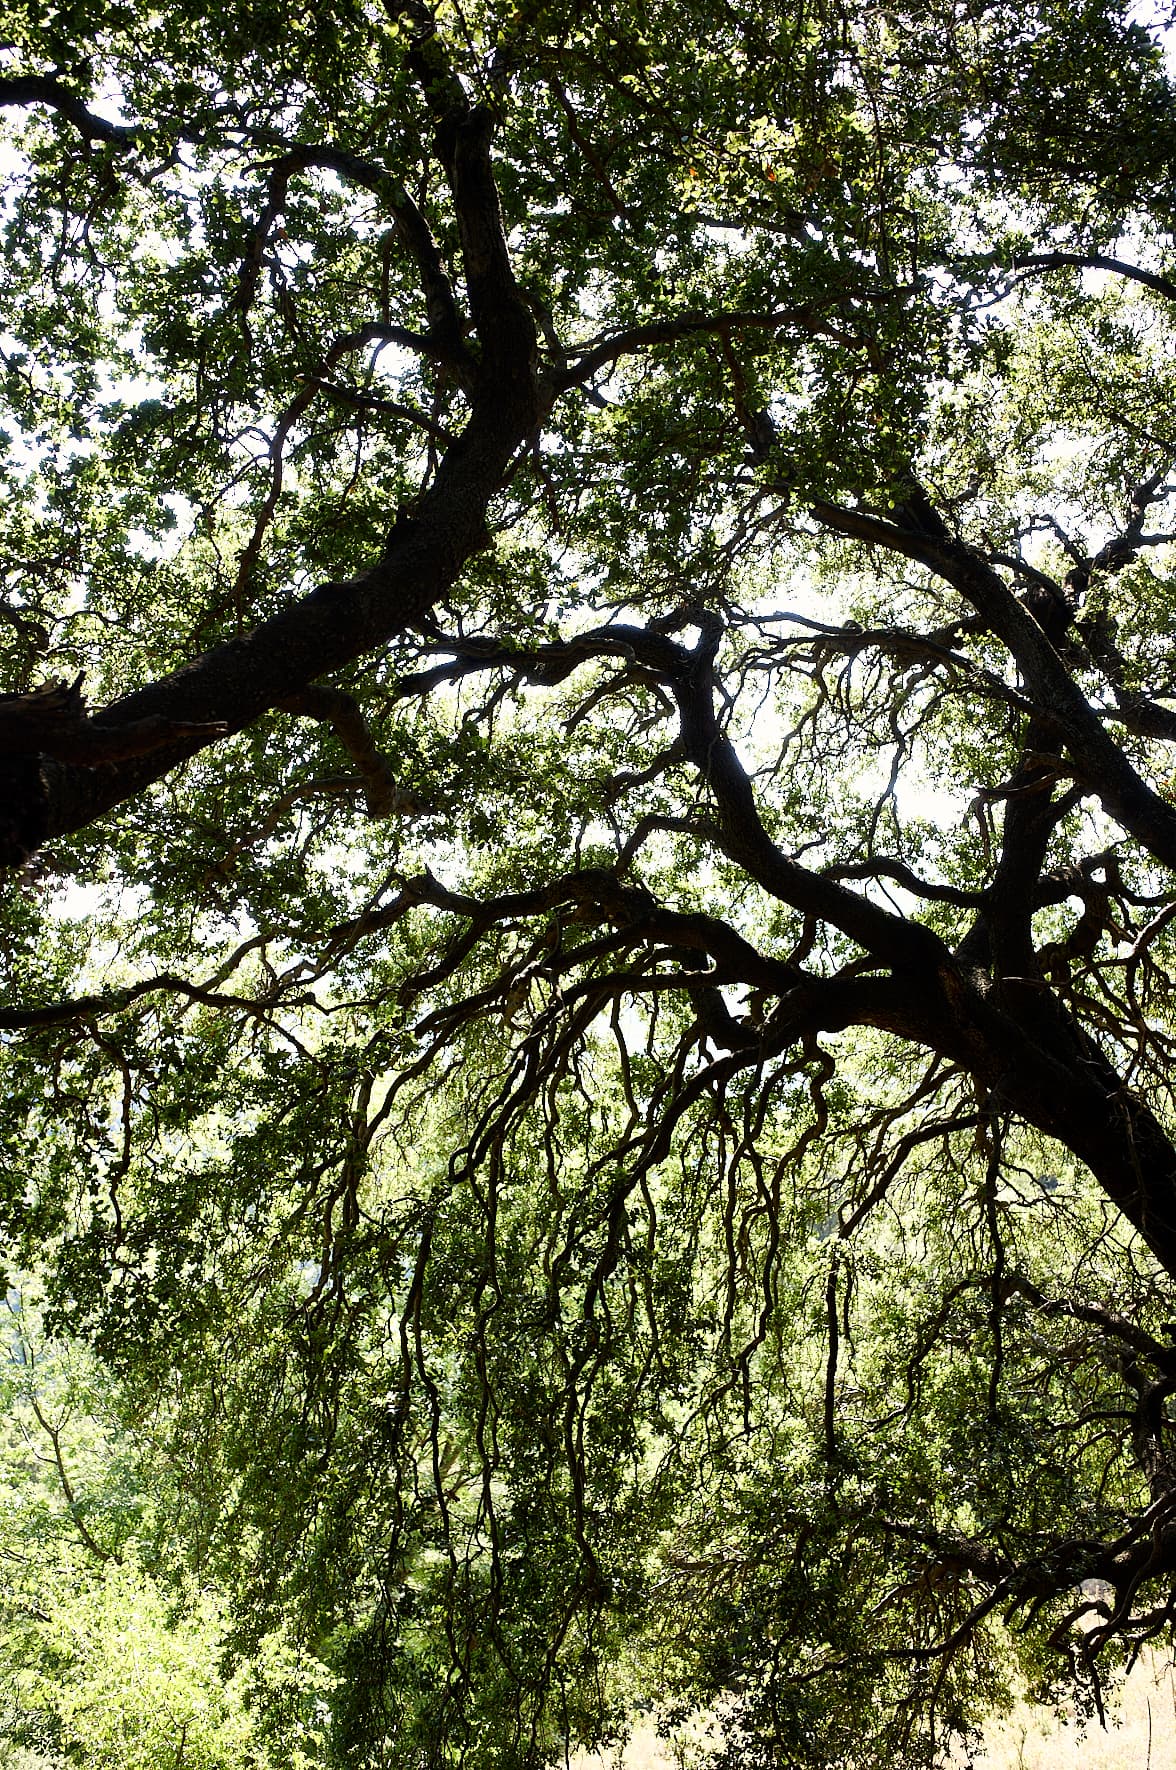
(1140, 1735)
(1140, 1732)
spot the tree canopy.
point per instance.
(587, 622)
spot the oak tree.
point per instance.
(587, 795)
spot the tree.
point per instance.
(110, 1656)
(657, 1173)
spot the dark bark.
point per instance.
(1097, 761)
(987, 1007)
(144, 735)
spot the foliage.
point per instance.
(113, 1655)
(587, 950)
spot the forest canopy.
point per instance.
(587, 803)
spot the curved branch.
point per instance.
(46, 89)
(1046, 261)
(334, 707)
(1105, 770)
(691, 325)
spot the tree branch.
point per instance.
(46, 89)
(1046, 261)
(1104, 769)
(692, 325)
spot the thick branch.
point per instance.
(1045, 261)
(52, 721)
(342, 713)
(1104, 769)
(46, 89)
(233, 684)
(692, 325)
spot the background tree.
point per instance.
(113, 1654)
(588, 943)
